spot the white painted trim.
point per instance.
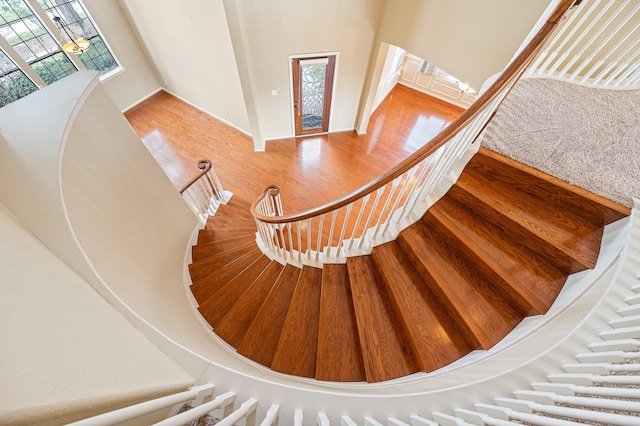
(141, 100)
(208, 113)
(435, 95)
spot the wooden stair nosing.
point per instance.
(457, 287)
(298, 346)
(260, 342)
(208, 235)
(203, 267)
(545, 245)
(219, 303)
(209, 284)
(594, 208)
(216, 222)
(568, 233)
(521, 285)
(200, 251)
(432, 345)
(385, 351)
(339, 354)
(233, 326)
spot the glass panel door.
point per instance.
(313, 84)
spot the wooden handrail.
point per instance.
(513, 70)
(204, 165)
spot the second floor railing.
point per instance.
(377, 212)
(204, 193)
(598, 45)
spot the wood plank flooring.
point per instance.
(310, 171)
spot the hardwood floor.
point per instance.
(310, 171)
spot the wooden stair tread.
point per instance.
(487, 317)
(205, 287)
(219, 303)
(261, 340)
(208, 235)
(200, 251)
(339, 356)
(233, 326)
(233, 222)
(212, 264)
(548, 250)
(568, 234)
(594, 208)
(433, 345)
(385, 350)
(298, 346)
(529, 282)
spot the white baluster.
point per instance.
(271, 417)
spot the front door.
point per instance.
(312, 90)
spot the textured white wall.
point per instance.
(190, 45)
(139, 78)
(55, 329)
(65, 351)
(469, 39)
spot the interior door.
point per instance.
(312, 91)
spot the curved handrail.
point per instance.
(515, 68)
(204, 165)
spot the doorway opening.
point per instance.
(312, 92)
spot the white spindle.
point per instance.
(379, 193)
(245, 410)
(271, 417)
(421, 421)
(407, 179)
(369, 421)
(344, 228)
(319, 243)
(566, 412)
(392, 190)
(297, 418)
(322, 420)
(143, 408)
(347, 421)
(195, 413)
(570, 389)
(299, 235)
(448, 420)
(332, 227)
(363, 206)
(309, 248)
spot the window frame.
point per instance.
(41, 15)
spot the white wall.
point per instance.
(190, 45)
(65, 352)
(279, 28)
(64, 348)
(469, 39)
(390, 71)
(139, 78)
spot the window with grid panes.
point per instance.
(31, 54)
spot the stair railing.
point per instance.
(598, 45)
(204, 193)
(378, 211)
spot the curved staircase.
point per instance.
(496, 248)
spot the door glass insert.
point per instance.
(313, 74)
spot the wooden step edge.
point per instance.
(211, 248)
(339, 353)
(297, 349)
(576, 260)
(384, 354)
(260, 342)
(623, 211)
(215, 307)
(474, 335)
(519, 294)
(432, 347)
(233, 326)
